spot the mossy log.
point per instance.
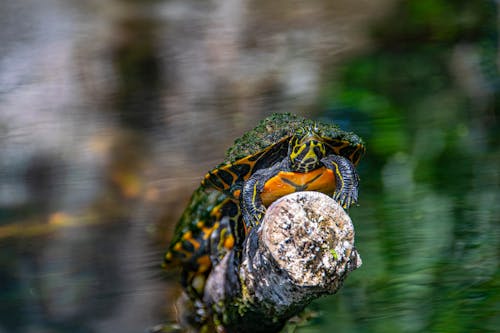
(304, 249)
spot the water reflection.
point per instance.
(112, 111)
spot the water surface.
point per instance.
(111, 112)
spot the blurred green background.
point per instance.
(112, 111)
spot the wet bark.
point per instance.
(304, 249)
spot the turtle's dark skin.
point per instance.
(283, 154)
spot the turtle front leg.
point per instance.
(252, 208)
(346, 179)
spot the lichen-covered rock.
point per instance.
(303, 250)
(314, 241)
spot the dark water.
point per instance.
(111, 112)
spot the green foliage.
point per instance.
(425, 100)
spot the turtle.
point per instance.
(285, 153)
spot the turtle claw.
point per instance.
(257, 218)
(344, 199)
(254, 219)
(347, 196)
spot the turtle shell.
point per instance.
(268, 143)
(209, 227)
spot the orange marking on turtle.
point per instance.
(208, 231)
(188, 236)
(204, 263)
(229, 242)
(286, 182)
(179, 249)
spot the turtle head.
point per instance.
(306, 149)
